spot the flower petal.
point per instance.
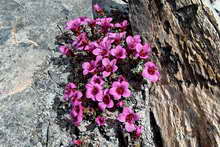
(99, 97)
(121, 117)
(139, 47)
(127, 110)
(126, 93)
(129, 40)
(102, 106)
(96, 52)
(111, 104)
(130, 127)
(125, 84)
(85, 65)
(105, 61)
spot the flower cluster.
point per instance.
(107, 44)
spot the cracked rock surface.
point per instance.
(32, 76)
(185, 36)
(27, 93)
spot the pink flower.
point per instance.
(105, 23)
(77, 119)
(77, 109)
(123, 25)
(76, 97)
(138, 131)
(128, 117)
(97, 80)
(97, 8)
(91, 46)
(69, 91)
(151, 72)
(73, 25)
(77, 142)
(143, 51)
(121, 79)
(77, 114)
(94, 91)
(65, 50)
(89, 67)
(120, 104)
(99, 67)
(91, 22)
(109, 66)
(100, 121)
(83, 20)
(120, 89)
(103, 48)
(133, 41)
(81, 41)
(106, 101)
(117, 37)
(119, 52)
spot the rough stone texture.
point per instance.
(214, 5)
(27, 92)
(108, 5)
(32, 76)
(186, 44)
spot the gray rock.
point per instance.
(27, 30)
(108, 5)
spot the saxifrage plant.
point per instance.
(106, 48)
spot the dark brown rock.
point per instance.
(186, 42)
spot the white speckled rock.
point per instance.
(109, 4)
(27, 30)
(214, 6)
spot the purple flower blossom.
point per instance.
(103, 48)
(73, 25)
(117, 37)
(97, 8)
(77, 114)
(89, 67)
(119, 52)
(83, 20)
(100, 120)
(128, 117)
(105, 23)
(120, 89)
(91, 46)
(138, 131)
(91, 22)
(121, 79)
(94, 91)
(123, 25)
(151, 72)
(69, 91)
(109, 66)
(65, 50)
(77, 119)
(77, 109)
(106, 101)
(133, 41)
(76, 97)
(98, 61)
(81, 41)
(97, 80)
(143, 51)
